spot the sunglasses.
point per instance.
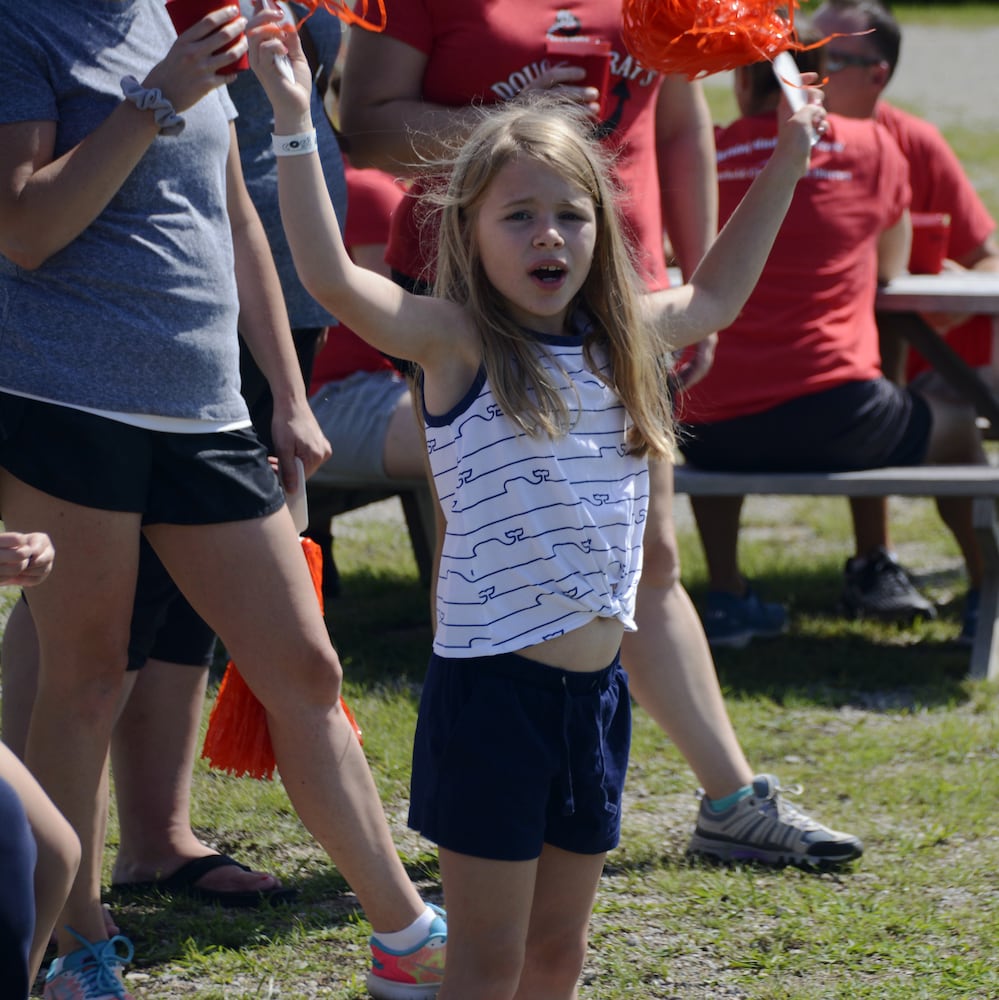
(838, 61)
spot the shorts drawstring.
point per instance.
(568, 799)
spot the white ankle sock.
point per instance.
(409, 937)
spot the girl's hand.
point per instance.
(796, 132)
(270, 38)
(189, 70)
(559, 81)
(25, 558)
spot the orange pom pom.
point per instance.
(698, 37)
(238, 740)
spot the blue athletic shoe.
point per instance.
(731, 621)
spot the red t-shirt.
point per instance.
(939, 184)
(484, 51)
(809, 324)
(372, 196)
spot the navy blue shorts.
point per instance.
(167, 477)
(511, 754)
(857, 425)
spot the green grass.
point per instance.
(955, 14)
(879, 723)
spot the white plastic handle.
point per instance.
(789, 77)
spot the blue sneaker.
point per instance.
(969, 622)
(91, 972)
(731, 621)
(410, 975)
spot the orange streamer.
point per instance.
(695, 38)
(340, 9)
(238, 740)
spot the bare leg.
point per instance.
(718, 526)
(517, 928)
(669, 664)
(229, 572)
(489, 911)
(870, 524)
(955, 438)
(82, 613)
(19, 661)
(153, 751)
(153, 747)
(58, 853)
(564, 893)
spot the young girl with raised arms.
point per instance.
(543, 372)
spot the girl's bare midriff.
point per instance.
(584, 650)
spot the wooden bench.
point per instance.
(981, 482)
(418, 505)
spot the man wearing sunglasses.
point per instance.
(860, 61)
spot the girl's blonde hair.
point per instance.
(558, 136)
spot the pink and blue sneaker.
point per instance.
(410, 975)
(90, 972)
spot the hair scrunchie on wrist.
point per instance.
(152, 99)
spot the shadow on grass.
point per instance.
(163, 928)
(828, 659)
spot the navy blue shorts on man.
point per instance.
(511, 754)
(857, 425)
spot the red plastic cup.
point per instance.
(592, 54)
(930, 235)
(184, 13)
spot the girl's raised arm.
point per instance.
(403, 325)
(725, 278)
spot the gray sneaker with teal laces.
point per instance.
(764, 827)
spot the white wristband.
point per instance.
(295, 145)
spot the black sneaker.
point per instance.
(878, 586)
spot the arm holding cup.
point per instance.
(47, 201)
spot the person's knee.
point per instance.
(492, 972)
(954, 434)
(89, 676)
(553, 964)
(312, 676)
(661, 557)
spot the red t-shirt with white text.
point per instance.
(809, 325)
(484, 51)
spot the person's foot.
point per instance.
(731, 621)
(91, 972)
(876, 585)
(413, 974)
(213, 878)
(764, 827)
